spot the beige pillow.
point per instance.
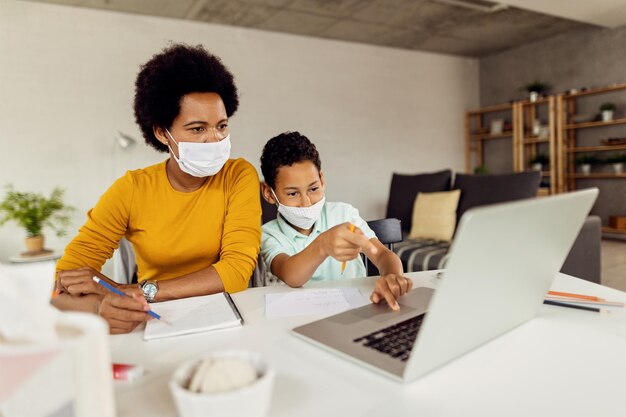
(434, 215)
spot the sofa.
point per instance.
(478, 190)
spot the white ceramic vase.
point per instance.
(607, 115)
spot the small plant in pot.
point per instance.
(607, 110)
(539, 161)
(536, 89)
(33, 212)
(585, 161)
(617, 162)
(481, 170)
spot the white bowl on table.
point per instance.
(252, 400)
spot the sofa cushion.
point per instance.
(480, 190)
(434, 215)
(404, 189)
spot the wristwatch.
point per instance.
(150, 290)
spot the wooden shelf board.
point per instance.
(533, 140)
(541, 100)
(612, 230)
(595, 124)
(596, 148)
(487, 136)
(543, 191)
(489, 109)
(600, 175)
(609, 89)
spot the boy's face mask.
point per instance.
(201, 159)
(302, 217)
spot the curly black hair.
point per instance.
(168, 76)
(287, 149)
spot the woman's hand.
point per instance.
(80, 281)
(342, 244)
(124, 314)
(389, 288)
(77, 282)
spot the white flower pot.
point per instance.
(585, 169)
(618, 167)
(607, 115)
(533, 96)
(536, 166)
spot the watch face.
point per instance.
(149, 290)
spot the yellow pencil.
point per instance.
(343, 264)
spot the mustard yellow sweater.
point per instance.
(175, 233)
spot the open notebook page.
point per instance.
(192, 315)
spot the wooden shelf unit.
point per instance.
(570, 135)
(567, 135)
(476, 124)
(527, 145)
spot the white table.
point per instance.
(564, 362)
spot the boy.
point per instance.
(311, 239)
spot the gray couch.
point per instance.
(477, 190)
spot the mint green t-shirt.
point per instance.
(279, 237)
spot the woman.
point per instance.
(193, 220)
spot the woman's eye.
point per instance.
(223, 126)
(197, 129)
(314, 189)
(292, 194)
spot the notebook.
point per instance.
(502, 262)
(193, 315)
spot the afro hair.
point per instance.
(168, 76)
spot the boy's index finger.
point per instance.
(359, 239)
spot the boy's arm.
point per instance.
(338, 242)
(391, 284)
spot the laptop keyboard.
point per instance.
(396, 340)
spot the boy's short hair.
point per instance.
(287, 149)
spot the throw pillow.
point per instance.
(404, 189)
(480, 190)
(434, 215)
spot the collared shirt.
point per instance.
(279, 237)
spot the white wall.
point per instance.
(67, 84)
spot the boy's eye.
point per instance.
(292, 194)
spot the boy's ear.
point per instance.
(266, 191)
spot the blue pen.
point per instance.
(118, 292)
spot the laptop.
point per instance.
(502, 262)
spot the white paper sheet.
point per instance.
(191, 315)
(319, 301)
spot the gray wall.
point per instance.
(587, 58)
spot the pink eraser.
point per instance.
(125, 372)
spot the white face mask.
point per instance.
(201, 159)
(302, 217)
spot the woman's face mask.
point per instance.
(302, 217)
(201, 159)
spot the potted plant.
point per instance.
(538, 162)
(33, 212)
(481, 170)
(617, 161)
(606, 110)
(536, 89)
(585, 161)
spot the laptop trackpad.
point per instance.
(377, 312)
